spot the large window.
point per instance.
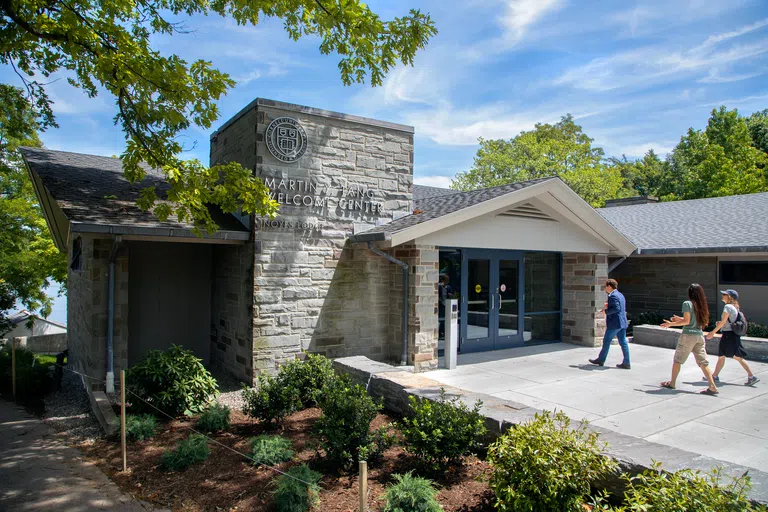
(744, 272)
(542, 296)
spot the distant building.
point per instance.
(27, 324)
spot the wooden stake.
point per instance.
(13, 367)
(122, 420)
(363, 486)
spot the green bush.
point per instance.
(188, 452)
(644, 318)
(411, 494)
(344, 428)
(140, 427)
(33, 379)
(271, 450)
(174, 381)
(270, 400)
(442, 431)
(298, 490)
(215, 418)
(545, 466)
(757, 330)
(305, 379)
(659, 491)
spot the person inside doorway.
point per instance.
(730, 342)
(695, 316)
(444, 292)
(616, 324)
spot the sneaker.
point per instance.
(623, 366)
(596, 361)
(752, 381)
(716, 379)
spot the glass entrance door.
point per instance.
(492, 300)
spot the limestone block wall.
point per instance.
(43, 343)
(583, 278)
(661, 283)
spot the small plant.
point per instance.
(545, 466)
(215, 418)
(298, 490)
(32, 377)
(270, 400)
(140, 427)
(411, 494)
(658, 491)
(344, 428)
(305, 379)
(188, 452)
(174, 381)
(442, 431)
(271, 450)
(757, 330)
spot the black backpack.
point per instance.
(740, 326)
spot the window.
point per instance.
(77, 252)
(744, 272)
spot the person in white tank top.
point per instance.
(730, 342)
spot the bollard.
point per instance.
(363, 485)
(122, 420)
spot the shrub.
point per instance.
(644, 318)
(214, 418)
(344, 428)
(544, 466)
(757, 330)
(305, 379)
(411, 494)
(658, 491)
(442, 431)
(271, 450)
(270, 400)
(140, 427)
(174, 381)
(188, 452)
(297, 490)
(32, 377)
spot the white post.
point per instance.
(451, 333)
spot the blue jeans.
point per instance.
(609, 335)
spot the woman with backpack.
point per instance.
(695, 316)
(733, 326)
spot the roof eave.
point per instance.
(60, 234)
(159, 233)
(702, 250)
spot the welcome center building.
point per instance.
(350, 266)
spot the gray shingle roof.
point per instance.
(439, 205)
(717, 224)
(424, 192)
(81, 185)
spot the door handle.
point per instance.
(500, 302)
(492, 302)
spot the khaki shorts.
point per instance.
(688, 343)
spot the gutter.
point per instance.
(703, 250)
(111, 317)
(404, 265)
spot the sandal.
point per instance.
(667, 384)
(709, 392)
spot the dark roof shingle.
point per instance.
(424, 192)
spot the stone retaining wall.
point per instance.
(757, 348)
(44, 343)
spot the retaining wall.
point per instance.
(44, 343)
(757, 348)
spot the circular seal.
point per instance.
(286, 139)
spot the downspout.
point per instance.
(404, 265)
(111, 317)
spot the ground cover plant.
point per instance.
(442, 431)
(269, 401)
(139, 427)
(173, 381)
(305, 379)
(546, 466)
(298, 490)
(271, 450)
(215, 418)
(411, 494)
(188, 452)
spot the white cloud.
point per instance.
(248, 78)
(520, 15)
(714, 77)
(639, 150)
(433, 181)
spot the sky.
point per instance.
(636, 75)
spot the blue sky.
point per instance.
(636, 75)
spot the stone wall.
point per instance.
(583, 278)
(43, 343)
(87, 293)
(232, 311)
(310, 290)
(661, 284)
(655, 336)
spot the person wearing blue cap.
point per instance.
(730, 342)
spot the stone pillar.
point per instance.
(583, 278)
(423, 264)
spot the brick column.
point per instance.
(583, 279)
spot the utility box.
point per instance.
(451, 333)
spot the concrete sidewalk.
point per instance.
(732, 426)
(39, 472)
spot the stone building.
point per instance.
(350, 266)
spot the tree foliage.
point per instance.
(562, 149)
(29, 260)
(106, 45)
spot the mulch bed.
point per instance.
(226, 481)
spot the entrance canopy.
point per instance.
(537, 215)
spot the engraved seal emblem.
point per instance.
(286, 139)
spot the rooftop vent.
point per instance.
(627, 201)
(528, 211)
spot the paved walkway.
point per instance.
(39, 472)
(731, 427)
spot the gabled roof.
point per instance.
(713, 225)
(24, 315)
(424, 192)
(93, 196)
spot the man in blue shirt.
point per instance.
(615, 325)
